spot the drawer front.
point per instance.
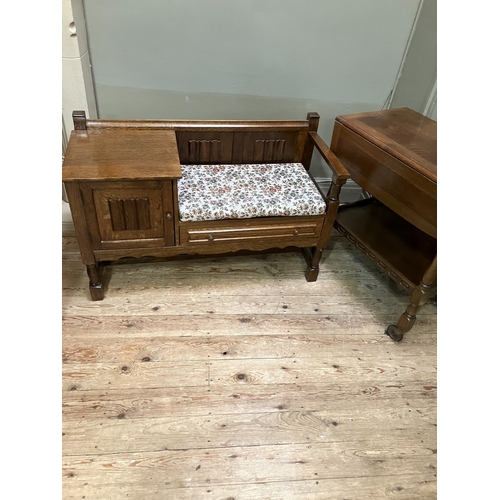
(291, 229)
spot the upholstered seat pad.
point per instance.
(212, 192)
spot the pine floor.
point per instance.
(234, 378)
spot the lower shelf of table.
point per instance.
(400, 249)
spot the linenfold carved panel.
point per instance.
(213, 147)
(204, 151)
(129, 214)
(269, 150)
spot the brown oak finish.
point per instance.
(405, 134)
(120, 154)
(392, 154)
(273, 227)
(122, 177)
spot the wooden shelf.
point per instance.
(399, 248)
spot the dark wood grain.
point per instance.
(405, 190)
(202, 125)
(78, 208)
(251, 229)
(168, 212)
(117, 154)
(124, 176)
(398, 247)
(313, 119)
(392, 154)
(405, 134)
(79, 120)
(338, 169)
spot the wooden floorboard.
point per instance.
(234, 378)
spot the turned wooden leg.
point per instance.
(95, 285)
(312, 270)
(417, 300)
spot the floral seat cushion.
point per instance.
(212, 192)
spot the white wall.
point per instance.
(77, 86)
(416, 86)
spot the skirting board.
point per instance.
(350, 191)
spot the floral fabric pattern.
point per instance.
(213, 192)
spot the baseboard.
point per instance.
(350, 191)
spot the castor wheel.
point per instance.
(394, 332)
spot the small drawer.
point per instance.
(250, 229)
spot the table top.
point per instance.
(121, 154)
(401, 132)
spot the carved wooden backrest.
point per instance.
(212, 142)
(250, 146)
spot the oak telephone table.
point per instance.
(392, 155)
(158, 189)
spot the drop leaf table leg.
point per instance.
(417, 299)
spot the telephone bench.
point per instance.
(163, 188)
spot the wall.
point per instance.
(252, 59)
(416, 85)
(77, 85)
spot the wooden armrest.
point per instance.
(340, 173)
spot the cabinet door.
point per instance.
(130, 213)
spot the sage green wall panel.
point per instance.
(246, 59)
